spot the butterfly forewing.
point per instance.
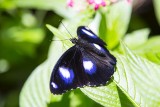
(65, 73)
(85, 33)
(98, 70)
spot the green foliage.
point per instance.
(140, 36)
(19, 38)
(133, 76)
(59, 6)
(150, 49)
(157, 9)
(112, 23)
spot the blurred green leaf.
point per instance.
(11, 99)
(94, 24)
(103, 26)
(7, 4)
(20, 42)
(28, 19)
(117, 21)
(157, 9)
(4, 65)
(133, 77)
(150, 49)
(32, 35)
(136, 38)
(2, 102)
(58, 6)
(36, 89)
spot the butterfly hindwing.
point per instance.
(79, 68)
(98, 70)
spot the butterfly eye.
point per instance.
(66, 74)
(89, 66)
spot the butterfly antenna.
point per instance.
(60, 40)
(66, 29)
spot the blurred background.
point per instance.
(24, 40)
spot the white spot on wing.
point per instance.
(54, 85)
(89, 66)
(97, 46)
(65, 72)
(88, 33)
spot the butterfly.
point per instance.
(87, 63)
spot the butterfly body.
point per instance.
(87, 63)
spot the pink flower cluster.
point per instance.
(70, 3)
(96, 3)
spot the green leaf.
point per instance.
(145, 76)
(4, 65)
(94, 24)
(150, 49)
(134, 77)
(104, 95)
(36, 89)
(157, 9)
(102, 27)
(58, 6)
(136, 38)
(117, 21)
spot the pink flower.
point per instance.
(129, 1)
(90, 1)
(97, 3)
(70, 3)
(83, 4)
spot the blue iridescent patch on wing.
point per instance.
(89, 66)
(66, 74)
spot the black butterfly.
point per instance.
(87, 63)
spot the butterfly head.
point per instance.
(74, 40)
